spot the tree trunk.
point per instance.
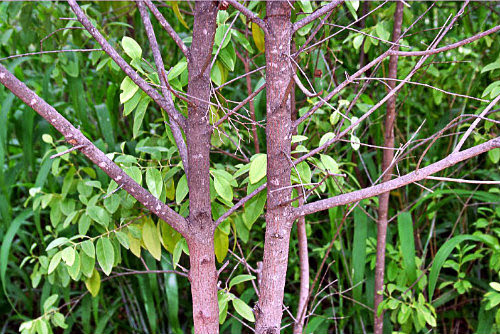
(387, 157)
(203, 277)
(278, 218)
(202, 274)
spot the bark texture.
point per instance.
(202, 273)
(278, 217)
(387, 168)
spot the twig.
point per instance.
(67, 151)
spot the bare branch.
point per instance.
(129, 71)
(240, 203)
(240, 105)
(448, 179)
(168, 28)
(321, 11)
(76, 138)
(447, 47)
(46, 52)
(248, 13)
(414, 176)
(474, 124)
(160, 68)
(365, 68)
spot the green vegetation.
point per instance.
(79, 254)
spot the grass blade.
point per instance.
(407, 241)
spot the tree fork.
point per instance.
(278, 218)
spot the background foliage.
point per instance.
(63, 230)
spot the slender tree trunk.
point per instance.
(202, 274)
(304, 271)
(278, 219)
(387, 157)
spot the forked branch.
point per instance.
(174, 114)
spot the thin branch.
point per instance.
(319, 12)
(447, 47)
(160, 68)
(129, 71)
(168, 28)
(240, 203)
(390, 52)
(448, 179)
(240, 105)
(399, 182)
(46, 52)
(75, 137)
(248, 13)
(474, 124)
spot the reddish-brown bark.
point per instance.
(202, 273)
(387, 167)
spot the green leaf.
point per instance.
(131, 48)
(139, 115)
(258, 37)
(221, 244)
(151, 238)
(223, 188)
(175, 7)
(357, 41)
(443, 254)
(47, 138)
(68, 255)
(129, 88)
(93, 283)
(228, 57)
(132, 103)
(175, 71)
(330, 164)
(240, 38)
(223, 301)
(123, 239)
(59, 320)
(49, 302)
(99, 215)
(405, 230)
(56, 243)
(494, 155)
(258, 168)
(222, 31)
(105, 254)
(88, 247)
(154, 181)
(87, 264)
(359, 251)
(240, 279)
(54, 262)
(135, 173)
(355, 142)
(326, 137)
(492, 66)
(495, 286)
(182, 190)
(74, 269)
(243, 309)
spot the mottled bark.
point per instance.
(387, 168)
(202, 273)
(278, 219)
